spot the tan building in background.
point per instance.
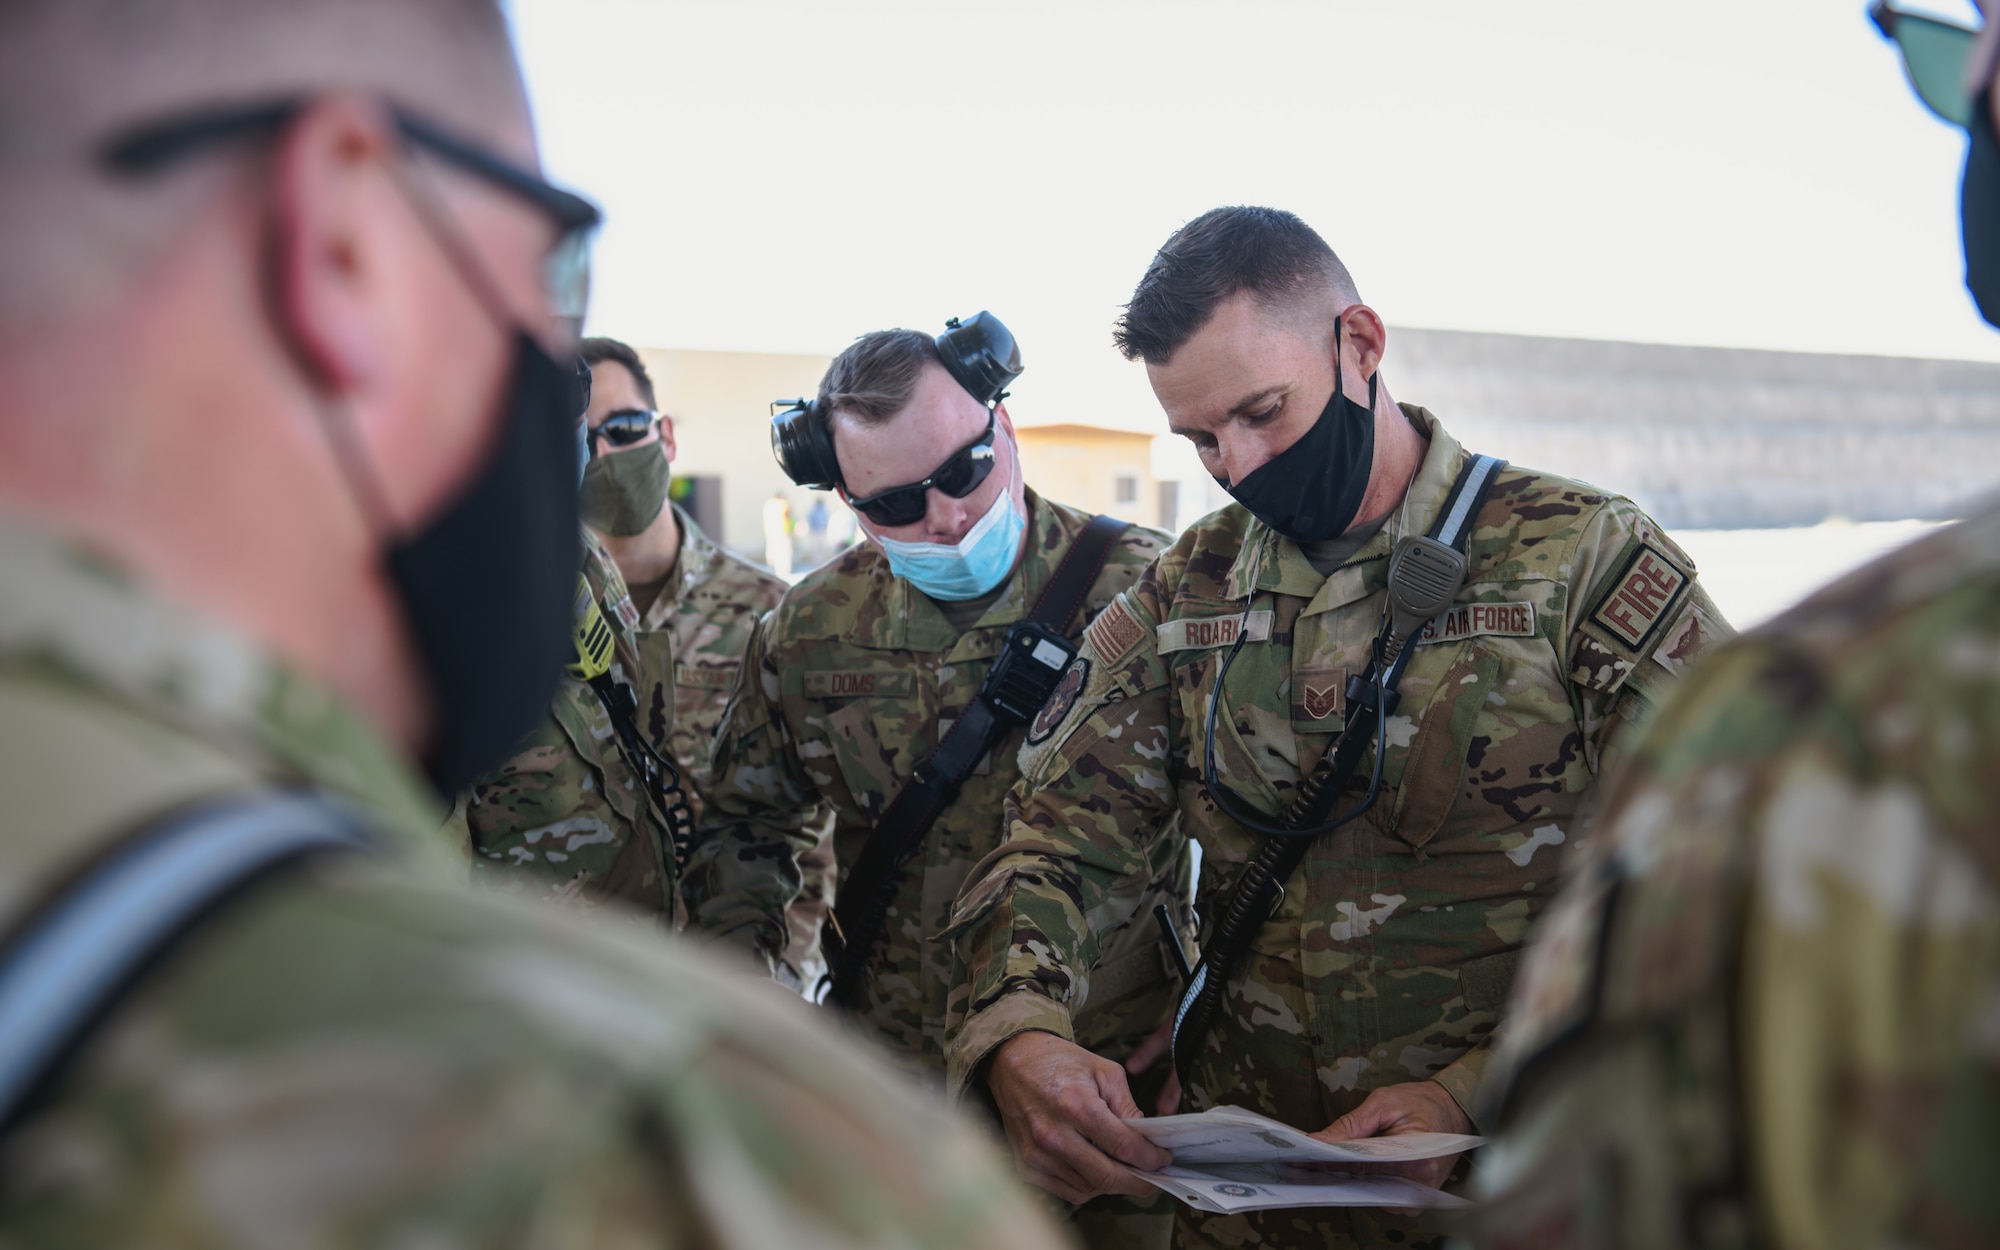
(1099, 469)
(725, 474)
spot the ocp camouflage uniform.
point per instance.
(857, 676)
(370, 1054)
(853, 679)
(1766, 1010)
(565, 817)
(690, 642)
(1391, 951)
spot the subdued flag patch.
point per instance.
(1114, 631)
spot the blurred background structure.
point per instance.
(1704, 254)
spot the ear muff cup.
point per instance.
(982, 355)
(979, 353)
(803, 444)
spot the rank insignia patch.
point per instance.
(1319, 694)
(1051, 717)
(1641, 597)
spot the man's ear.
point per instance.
(667, 445)
(1365, 339)
(1006, 422)
(329, 254)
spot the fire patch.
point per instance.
(1641, 597)
(1056, 710)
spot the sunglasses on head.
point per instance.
(1935, 54)
(957, 477)
(624, 428)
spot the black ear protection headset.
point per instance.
(980, 354)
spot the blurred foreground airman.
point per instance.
(1766, 1011)
(287, 509)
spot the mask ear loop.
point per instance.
(356, 466)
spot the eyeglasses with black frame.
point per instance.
(1935, 54)
(957, 477)
(624, 428)
(152, 146)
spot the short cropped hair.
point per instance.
(874, 378)
(597, 350)
(1266, 251)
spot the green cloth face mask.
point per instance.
(623, 491)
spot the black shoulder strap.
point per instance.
(71, 959)
(862, 897)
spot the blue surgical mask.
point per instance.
(970, 567)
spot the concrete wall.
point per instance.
(1716, 438)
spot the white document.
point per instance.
(1229, 1159)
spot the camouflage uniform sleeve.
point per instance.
(744, 871)
(1094, 796)
(1771, 1001)
(1638, 617)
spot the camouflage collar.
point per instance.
(87, 624)
(699, 560)
(1283, 568)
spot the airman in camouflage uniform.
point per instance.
(566, 818)
(852, 680)
(1766, 1009)
(1386, 961)
(282, 317)
(697, 601)
(691, 641)
(373, 1055)
(855, 678)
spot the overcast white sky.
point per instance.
(782, 177)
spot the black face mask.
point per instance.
(1310, 491)
(486, 585)
(1979, 213)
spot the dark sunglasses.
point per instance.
(152, 146)
(623, 428)
(958, 477)
(1935, 54)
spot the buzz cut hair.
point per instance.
(598, 350)
(1268, 252)
(874, 378)
(76, 73)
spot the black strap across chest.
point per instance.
(865, 889)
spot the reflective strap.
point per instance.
(1466, 496)
(71, 958)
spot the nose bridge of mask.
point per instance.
(994, 515)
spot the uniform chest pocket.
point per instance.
(1256, 750)
(872, 745)
(1433, 772)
